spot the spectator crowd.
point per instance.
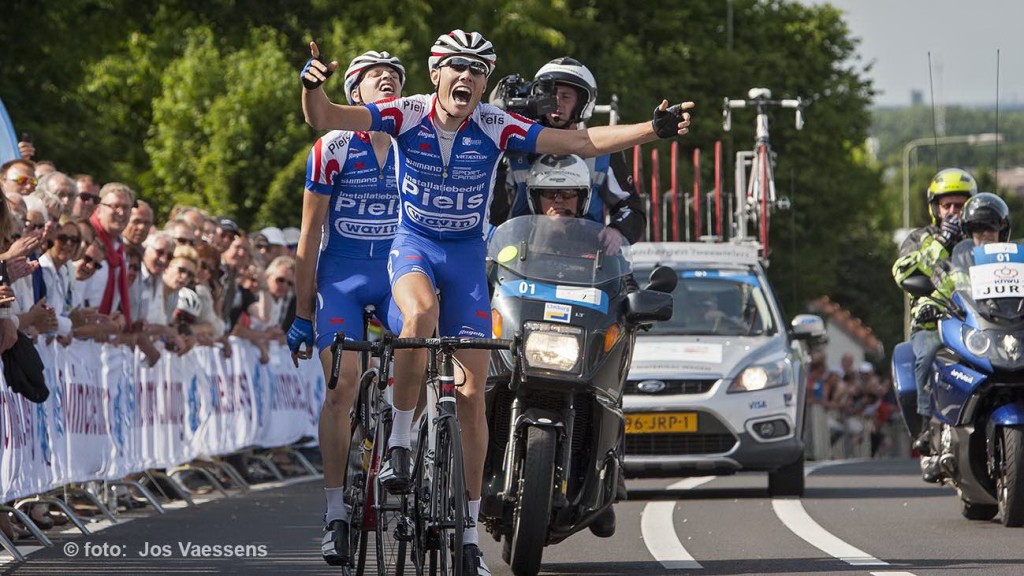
(84, 261)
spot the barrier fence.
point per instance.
(109, 414)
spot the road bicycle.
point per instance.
(372, 508)
(755, 193)
(434, 514)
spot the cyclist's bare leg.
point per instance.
(334, 424)
(472, 416)
(415, 298)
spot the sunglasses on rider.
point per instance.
(563, 194)
(460, 65)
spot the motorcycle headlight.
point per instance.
(976, 341)
(552, 347)
(760, 377)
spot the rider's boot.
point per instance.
(604, 525)
(923, 442)
(473, 561)
(931, 471)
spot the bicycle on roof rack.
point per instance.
(755, 190)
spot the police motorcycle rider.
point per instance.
(922, 252)
(346, 170)
(561, 187)
(611, 184)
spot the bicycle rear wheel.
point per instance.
(357, 480)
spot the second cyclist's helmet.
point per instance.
(459, 43)
(366, 61)
(566, 70)
(986, 210)
(948, 182)
(552, 171)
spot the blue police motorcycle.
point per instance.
(976, 386)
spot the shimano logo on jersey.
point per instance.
(445, 196)
(383, 206)
(366, 229)
(467, 141)
(358, 181)
(425, 168)
(442, 222)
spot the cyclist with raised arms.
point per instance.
(352, 192)
(610, 181)
(449, 145)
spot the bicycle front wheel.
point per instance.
(450, 496)
(391, 525)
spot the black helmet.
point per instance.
(986, 210)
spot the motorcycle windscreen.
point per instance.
(558, 250)
(990, 279)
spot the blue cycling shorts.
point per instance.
(345, 286)
(457, 270)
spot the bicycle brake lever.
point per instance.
(336, 349)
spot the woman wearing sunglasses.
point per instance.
(350, 186)
(58, 274)
(449, 144)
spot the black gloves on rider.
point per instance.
(950, 231)
(666, 122)
(315, 72)
(928, 314)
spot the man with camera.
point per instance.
(563, 95)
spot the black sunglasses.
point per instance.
(460, 65)
(563, 194)
(86, 197)
(66, 239)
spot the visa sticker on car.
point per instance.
(660, 422)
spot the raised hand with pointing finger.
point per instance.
(316, 71)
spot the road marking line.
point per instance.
(892, 574)
(659, 531)
(791, 512)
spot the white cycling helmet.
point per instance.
(188, 302)
(566, 70)
(459, 43)
(368, 60)
(559, 172)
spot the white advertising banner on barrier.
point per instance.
(110, 414)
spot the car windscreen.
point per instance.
(718, 302)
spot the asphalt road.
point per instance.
(858, 517)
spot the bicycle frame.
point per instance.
(755, 190)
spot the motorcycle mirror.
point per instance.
(918, 285)
(663, 279)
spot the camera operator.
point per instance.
(563, 95)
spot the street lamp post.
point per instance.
(987, 138)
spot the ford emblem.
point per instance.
(651, 386)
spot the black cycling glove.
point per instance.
(928, 314)
(315, 72)
(666, 122)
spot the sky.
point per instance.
(962, 36)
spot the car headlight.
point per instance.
(552, 347)
(976, 341)
(761, 377)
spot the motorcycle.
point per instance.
(977, 382)
(553, 461)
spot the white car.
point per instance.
(719, 388)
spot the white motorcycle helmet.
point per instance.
(569, 71)
(552, 171)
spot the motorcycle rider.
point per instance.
(345, 170)
(985, 219)
(923, 250)
(611, 183)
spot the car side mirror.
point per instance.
(663, 279)
(807, 326)
(918, 285)
(648, 306)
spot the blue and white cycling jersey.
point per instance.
(363, 214)
(449, 202)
